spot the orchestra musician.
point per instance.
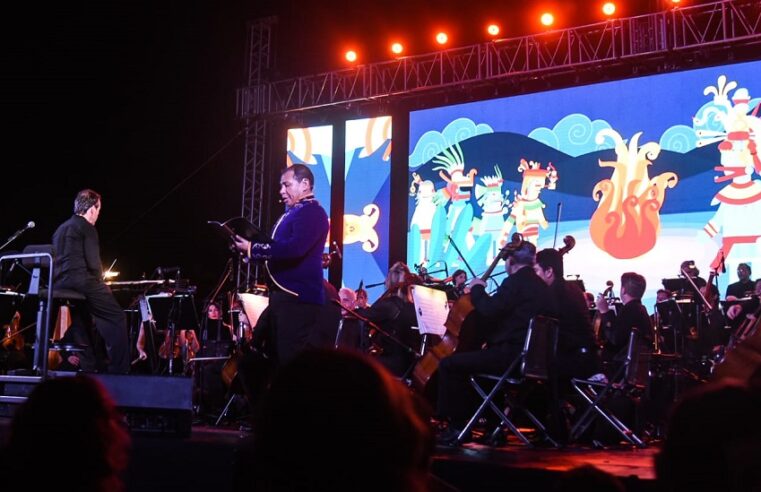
(688, 267)
(743, 287)
(78, 268)
(352, 332)
(616, 327)
(459, 278)
(361, 295)
(576, 356)
(520, 297)
(713, 334)
(394, 312)
(293, 261)
(746, 309)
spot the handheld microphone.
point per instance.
(338, 250)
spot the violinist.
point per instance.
(503, 325)
(688, 269)
(617, 327)
(459, 278)
(361, 295)
(575, 352)
(394, 312)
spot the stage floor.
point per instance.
(202, 462)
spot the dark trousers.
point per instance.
(456, 399)
(110, 321)
(292, 325)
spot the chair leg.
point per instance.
(226, 409)
(586, 419)
(488, 400)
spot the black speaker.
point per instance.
(160, 405)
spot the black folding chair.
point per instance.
(534, 364)
(630, 380)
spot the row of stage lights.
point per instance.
(546, 19)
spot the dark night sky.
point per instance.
(130, 98)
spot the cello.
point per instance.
(456, 319)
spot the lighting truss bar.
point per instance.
(728, 22)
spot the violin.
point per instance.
(12, 338)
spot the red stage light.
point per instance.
(609, 8)
(442, 38)
(492, 29)
(351, 56)
(547, 19)
(397, 48)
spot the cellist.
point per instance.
(503, 327)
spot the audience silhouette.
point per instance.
(713, 441)
(337, 421)
(67, 436)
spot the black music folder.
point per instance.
(240, 226)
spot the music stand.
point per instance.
(670, 316)
(253, 305)
(172, 312)
(676, 284)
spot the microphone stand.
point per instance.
(377, 328)
(13, 237)
(557, 223)
(462, 256)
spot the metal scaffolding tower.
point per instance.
(253, 204)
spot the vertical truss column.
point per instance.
(252, 106)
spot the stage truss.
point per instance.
(666, 36)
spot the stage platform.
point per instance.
(202, 462)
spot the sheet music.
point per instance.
(253, 306)
(431, 309)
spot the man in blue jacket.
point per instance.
(293, 261)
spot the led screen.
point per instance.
(644, 174)
(313, 146)
(366, 203)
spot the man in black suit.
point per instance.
(576, 354)
(616, 327)
(78, 268)
(503, 326)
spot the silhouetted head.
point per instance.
(338, 421)
(713, 441)
(68, 435)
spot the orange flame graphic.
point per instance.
(626, 223)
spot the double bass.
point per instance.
(456, 336)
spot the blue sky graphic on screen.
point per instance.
(366, 203)
(644, 173)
